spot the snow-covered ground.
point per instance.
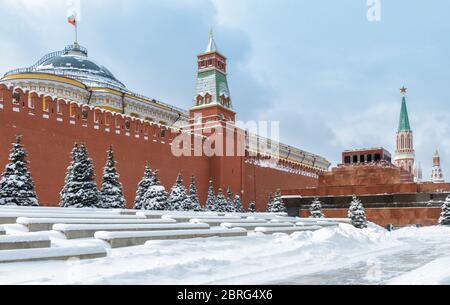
(334, 255)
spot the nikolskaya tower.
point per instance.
(404, 153)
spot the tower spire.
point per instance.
(212, 47)
(404, 118)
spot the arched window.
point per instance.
(208, 98)
(200, 100)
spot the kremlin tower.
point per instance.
(212, 96)
(436, 174)
(404, 153)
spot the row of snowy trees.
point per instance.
(151, 195)
(356, 212)
(80, 189)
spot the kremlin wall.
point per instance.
(67, 98)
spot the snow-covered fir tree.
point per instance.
(230, 201)
(357, 214)
(221, 202)
(80, 190)
(278, 204)
(193, 195)
(270, 203)
(112, 192)
(316, 209)
(16, 184)
(69, 175)
(156, 197)
(211, 201)
(238, 208)
(179, 199)
(146, 182)
(252, 207)
(444, 220)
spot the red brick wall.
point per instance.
(260, 182)
(49, 142)
(386, 216)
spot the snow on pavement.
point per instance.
(333, 255)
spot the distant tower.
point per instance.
(212, 96)
(418, 173)
(404, 154)
(436, 174)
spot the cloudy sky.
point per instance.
(330, 76)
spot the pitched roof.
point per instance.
(404, 119)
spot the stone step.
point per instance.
(85, 231)
(128, 239)
(11, 217)
(148, 212)
(46, 224)
(340, 220)
(47, 254)
(291, 230)
(58, 210)
(12, 242)
(215, 222)
(252, 226)
(188, 217)
(258, 215)
(318, 223)
(2, 231)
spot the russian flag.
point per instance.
(72, 20)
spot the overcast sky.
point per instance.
(330, 76)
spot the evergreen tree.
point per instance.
(69, 175)
(80, 190)
(270, 203)
(357, 214)
(16, 184)
(230, 201)
(112, 191)
(238, 208)
(156, 197)
(278, 204)
(445, 215)
(147, 181)
(193, 195)
(316, 209)
(211, 201)
(252, 207)
(179, 200)
(221, 202)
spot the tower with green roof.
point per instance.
(212, 100)
(404, 153)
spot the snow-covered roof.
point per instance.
(73, 62)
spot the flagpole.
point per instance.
(76, 33)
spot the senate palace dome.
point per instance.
(70, 74)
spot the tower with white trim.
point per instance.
(436, 173)
(404, 153)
